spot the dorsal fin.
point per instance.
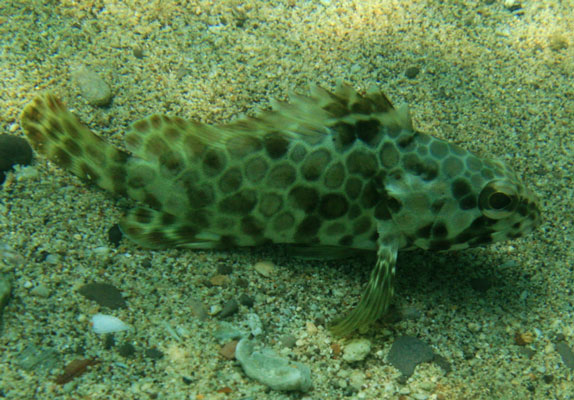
(302, 115)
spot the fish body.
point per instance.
(328, 170)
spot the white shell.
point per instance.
(102, 323)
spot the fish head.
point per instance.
(446, 198)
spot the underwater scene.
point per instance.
(296, 199)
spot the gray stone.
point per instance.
(356, 350)
(271, 370)
(5, 290)
(93, 88)
(407, 352)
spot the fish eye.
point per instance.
(498, 200)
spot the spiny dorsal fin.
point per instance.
(302, 115)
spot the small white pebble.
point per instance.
(265, 268)
(102, 323)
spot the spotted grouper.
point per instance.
(329, 171)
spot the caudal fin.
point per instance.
(58, 134)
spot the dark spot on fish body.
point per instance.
(276, 145)
(307, 230)
(141, 126)
(199, 196)
(333, 206)
(439, 230)
(231, 180)
(167, 219)
(362, 225)
(368, 131)
(346, 241)
(382, 211)
(344, 135)
(469, 202)
(304, 198)
(389, 155)
(186, 233)
(213, 162)
(63, 159)
(156, 146)
(171, 161)
(353, 188)
(152, 201)
(281, 176)
(241, 203)
(314, 164)
(370, 196)
(363, 163)
(242, 145)
(334, 176)
(155, 121)
(71, 129)
(143, 215)
(440, 245)
(460, 188)
(251, 226)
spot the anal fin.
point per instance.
(379, 291)
(159, 229)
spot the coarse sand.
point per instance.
(495, 76)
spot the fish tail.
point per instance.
(59, 135)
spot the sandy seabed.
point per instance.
(494, 76)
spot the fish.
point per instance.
(330, 170)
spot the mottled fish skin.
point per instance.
(332, 169)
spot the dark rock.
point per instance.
(224, 269)
(154, 354)
(566, 353)
(127, 350)
(198, 309)
(230, 308)
(412, 72)
(104, 294)
(407, 352)
(109, 341)
(115, 235)
(481, 284)
(13, 150)
(36, 358)
(246, 300)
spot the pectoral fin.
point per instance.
(377, 297)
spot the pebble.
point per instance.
(412, 72)
(127, 350)
(265, 268)
(104, 294)
(271, 370)
(356, 350)
(198, 310)
(102, 323)
(254, 324)
(357, 380)
(115, 235)
(92, 87)
(407, 352)
(229, 308)
(37, 358)
(13, 150)
(288, 341)
(5, 290)
(246, 300)
(154, 354)
(227, 351)
(226, 332)
(566, 353)
(40, 291)
(219, 280)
